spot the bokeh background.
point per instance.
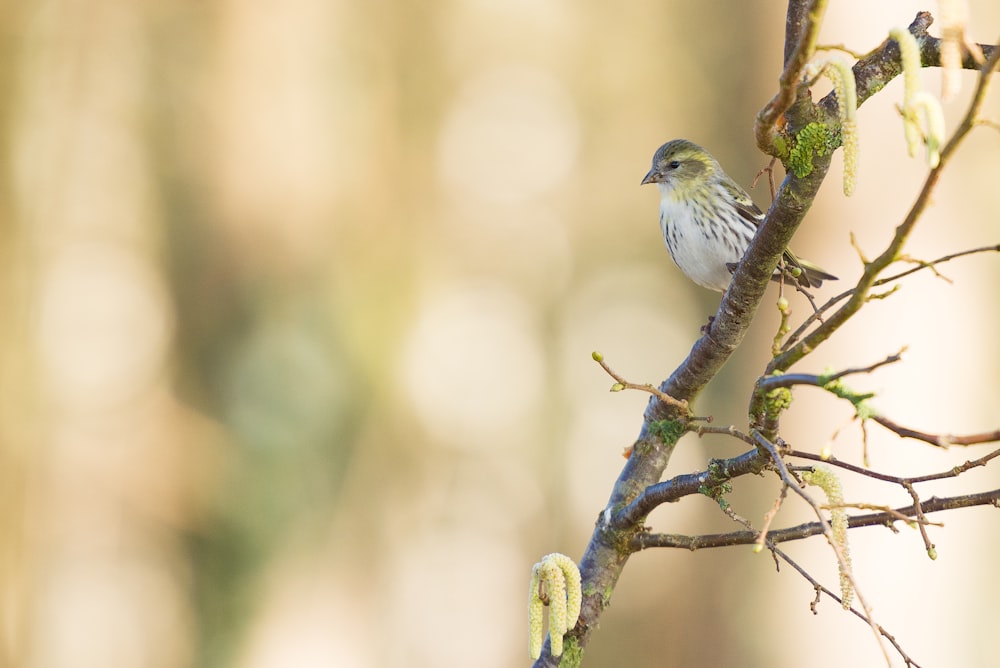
(298, 304)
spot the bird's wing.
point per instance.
(803, 278)
(750, 212)
(744, 205)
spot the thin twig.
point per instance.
(730, 430)
(845, 566)
(939, 440)
(883, 509)
(769, 170)
(857, 55)
(802, 26)
(891, 359)
(623, 384)
(921, 522)
(902, 234)
(833, 301)
(952, 472)
(820, 588)
(885, 519)
(769, 518)
(768, 383)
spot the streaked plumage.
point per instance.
(707, 219)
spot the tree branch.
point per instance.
(802, 23)
(891, 253)
(883, 64)
(921, 265)
(910, 663)
(952, 472)
(939, 440)
(620, 525)
(801, 531)
(719, 471)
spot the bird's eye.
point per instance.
(673, 164)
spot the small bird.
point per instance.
(708, 220)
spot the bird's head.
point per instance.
(679, 166)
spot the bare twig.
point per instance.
(845, 566)
(892, 251)
(883, 509)
(790, 379)
(921, 522)
(952, 472)
(884, 519)
(833, 301)
(802, 24)
(730, 430)
(751, 462)
(623, 384)
(939, 440)
(769, 518)
(769, 170)
(820, 588)
(857, 55)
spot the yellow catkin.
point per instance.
(954, 17)
(574, 590)
(849, 133)
(910, 56)
(830, 484)
(561, 578)
(917, 102)
(840, 74)
(536, 625)
(556, 584)
(934, 119)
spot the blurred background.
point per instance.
(298, 305)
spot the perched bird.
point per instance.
(708, 220)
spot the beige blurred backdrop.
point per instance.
(299, 299)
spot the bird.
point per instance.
(708, 220)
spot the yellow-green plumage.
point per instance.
(707, 219)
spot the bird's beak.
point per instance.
(651, 177)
